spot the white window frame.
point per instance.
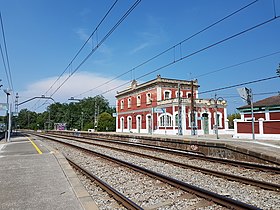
(148, 98)
(169, 120)
(220, 117)
(138, 100)
(181, 94)
(129, 123)
(129, 103)
(122, 104)
(170, 94)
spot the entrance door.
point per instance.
(149, 124)
(205, 123)
(122, 124)
(138, 124)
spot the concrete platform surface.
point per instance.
(31, 180)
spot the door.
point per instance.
(205, 123)
(138, 124)
(149, 124)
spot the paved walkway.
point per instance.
(33, 177)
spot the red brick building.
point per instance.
(266, 117)
(152, 107)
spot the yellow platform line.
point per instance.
(35, 146)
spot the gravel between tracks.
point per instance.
(264, 199)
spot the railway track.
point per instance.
(224, 192)
(229, 176)
(192, 154)
(185, 191)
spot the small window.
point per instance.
(122, 104)
(167, 94)
(129, 103)
(189, 95)
(138, 100)
(149, 98)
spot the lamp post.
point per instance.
(216, 101)
(8, 121)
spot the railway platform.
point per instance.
(32, 176)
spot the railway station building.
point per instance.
(168, 106)
(266, 119)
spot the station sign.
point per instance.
(159, 110)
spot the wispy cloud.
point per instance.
(79, 83)
(154, 34)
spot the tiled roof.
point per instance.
(267, 102)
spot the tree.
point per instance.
(231, 117)
(106, 122)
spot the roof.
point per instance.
(134, 86)
(267, 102)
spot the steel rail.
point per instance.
(186, 153)
(126, 202)
(254, 182)
(208, 195)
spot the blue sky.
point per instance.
(43, 36)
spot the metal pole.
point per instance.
(10, 123)
(179, 112)
(7, 116)
(252, 114)
(217, 120)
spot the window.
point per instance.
(129, 103)
(219, 120)
(181, 94)
(165, 120)
(149, 98)
(129, 123)
(189, 95)
(122, 104)
(138, 100)
(195, 119)
(167, 94)
(176, 119)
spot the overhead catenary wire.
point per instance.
(85, 43)
(100, 42)
(5, 57)
(80, 50)
(196, 52)
(173, 47)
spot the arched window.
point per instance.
(128, 102)
(129, 123)
(149, 98)
(138, 100)
(165, 119)
(122, 104)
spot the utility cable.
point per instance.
(196, 52)
(100, 43)
(7, 70)
(174, 46)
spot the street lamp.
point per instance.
(8, 121)
(217, 101)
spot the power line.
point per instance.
(8, 71)
(79, 51)
(174, 46)
(238, 64)
(240, 84)
(196, 52)
(100, 43)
